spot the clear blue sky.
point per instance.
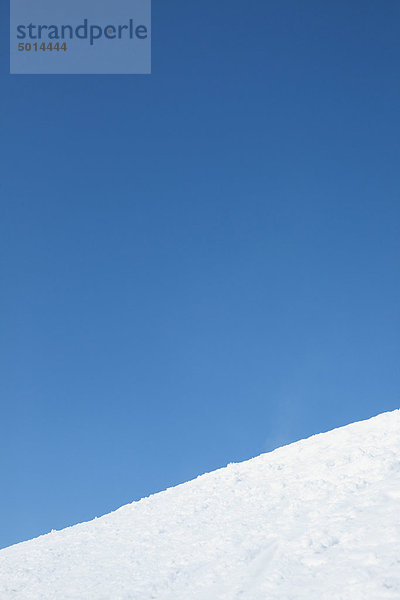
(198, 265)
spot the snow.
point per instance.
(316, 520)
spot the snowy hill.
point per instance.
(316, 520)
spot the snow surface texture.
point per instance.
(316, 520)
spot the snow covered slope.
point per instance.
(316, 520)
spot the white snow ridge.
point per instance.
(316, 520)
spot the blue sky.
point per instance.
(198, 265)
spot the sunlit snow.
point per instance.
(319, 519)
